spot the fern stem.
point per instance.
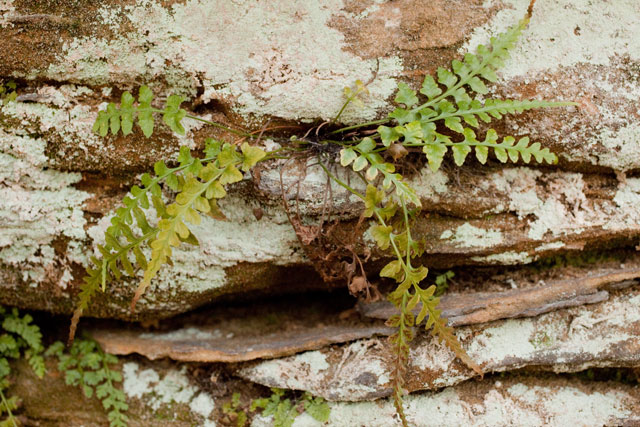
(402, 353)
(535, 104)
(6, 405)
(220, 126)
(347, 102)
(408, 230)
(340, 182)
(361, 125)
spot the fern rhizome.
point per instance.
(438, 119)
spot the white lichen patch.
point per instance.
(189, 333)
(6, 10)
(57, 114)
(583, 406)
(348, 378)
(173, 387)
(627, 198)
(621, 147)
(604, 334)
(550, 246)
(556, 205)
(38, 206)
(430, 185)
(506, 258)
(202, 405)
(469, 236)
(222, 244)
(316, 361)
(522, 404)
(563, 33)
(304, 369)
(287, 61)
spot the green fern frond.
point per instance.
(454, 107)
(24, 330)
(469, 71)
(21, 338)
(114, 118)
(130, 228)
(438, 325)
(7, 92)
(197, 194)
(403, 322)
(508, 149)
(85, 365)
(465, 73)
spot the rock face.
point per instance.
(290, 64)
(278, 64)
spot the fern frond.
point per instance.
(403, 322)
(469, 71)
(437, 145)
(85, 365)
(198, 192)
(454, 107)
(438, 325)
(115, 118)
(122, 242)
(22, 327)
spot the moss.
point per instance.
(575, 259)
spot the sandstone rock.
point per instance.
(569, 340)
(289, 66)
(518, 401)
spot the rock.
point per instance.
(63, 182)
(281, 68)
(509, 401)
(481, 307)
(223, 334)
(202, 345)
(157, 395)
(568, 340)
(160, 394)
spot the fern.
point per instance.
(448, 102)
(454, 106)
(21, 338)
(85, 365)
(284, 411)
(115, 118)
(197, 182)
(7, 92)
(442, 117)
